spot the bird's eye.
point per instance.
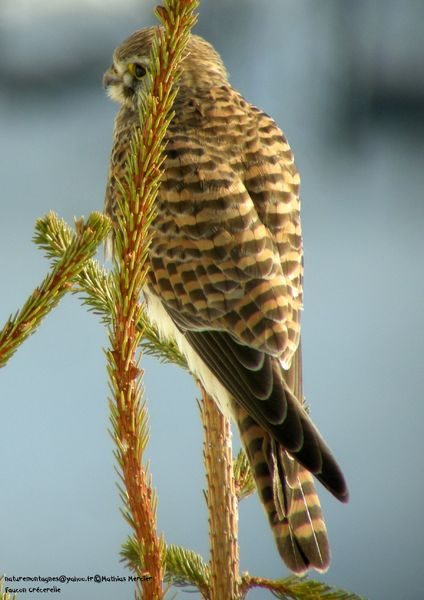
(137, 70)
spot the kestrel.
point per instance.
(226, 277)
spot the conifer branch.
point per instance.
(3, 594)
(93, 285)
(136, 203)
(186, 568)
(221, 501)
(183, 567)
(243, 478)
(296, 588)
(59, 281)
(93, 282)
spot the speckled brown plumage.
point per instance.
(226, 272)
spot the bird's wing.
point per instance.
(272, 181)
(226, 260)
(226, 263)
(256, 381)
(227, 253)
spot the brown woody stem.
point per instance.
(222, 502)
(138, 188)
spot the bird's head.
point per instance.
(201, 66)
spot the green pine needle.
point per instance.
(186, 568)
(298, 588)
(59, 281)
(182, 567)
(243, 478)
(3, 594)
(94, 286)
(134, 201)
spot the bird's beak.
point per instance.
(110, 78)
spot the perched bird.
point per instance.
(226, 277)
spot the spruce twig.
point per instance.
(244, 482)
(183, 567)
(138, 191)
(186, 568)
(296, 588)
(222, 502)
(3, 594)
(94, 286)
(46, 296)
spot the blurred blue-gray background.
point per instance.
(345, 80)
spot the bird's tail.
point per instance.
(288, 494)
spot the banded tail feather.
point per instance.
(288, 495)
